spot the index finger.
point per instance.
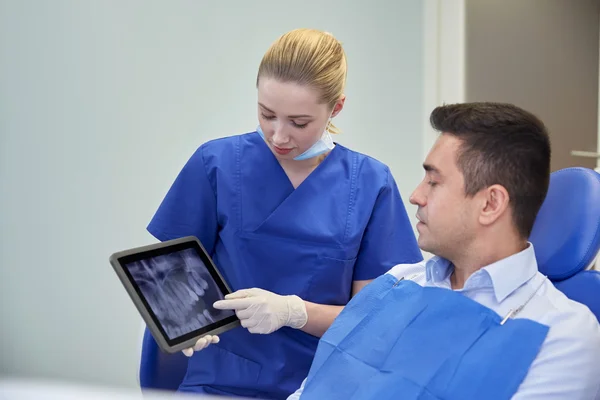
(233, 304)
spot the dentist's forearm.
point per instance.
(321, 316)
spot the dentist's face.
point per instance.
(291, 117)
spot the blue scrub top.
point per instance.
(345, 222)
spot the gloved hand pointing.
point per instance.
(261, 311)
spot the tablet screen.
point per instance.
(179, 289)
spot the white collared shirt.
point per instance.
(568, 364)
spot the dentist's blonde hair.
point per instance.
(308, 57)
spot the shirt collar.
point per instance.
(510, 273)
(506, 275)
(438, 269)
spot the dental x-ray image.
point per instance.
(180, 291)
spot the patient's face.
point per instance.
(446, 216)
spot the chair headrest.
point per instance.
(566, 232)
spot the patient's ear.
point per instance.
(495, 201)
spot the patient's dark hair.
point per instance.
(501, 144)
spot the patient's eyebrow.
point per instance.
(431, 168)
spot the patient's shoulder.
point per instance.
(414, 272)
(567, 364)
(574, 329)
(568, 318)
(553, 308)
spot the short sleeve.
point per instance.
(389, 239)
(189, 207)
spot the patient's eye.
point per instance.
(269, 117)
(431, 183)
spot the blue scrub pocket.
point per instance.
(331, 280)
(287, 266)
(226, 369)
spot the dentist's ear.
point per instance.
(339, 105)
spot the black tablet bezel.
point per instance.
(121, 259)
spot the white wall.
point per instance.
(102, 102)
(444, 59)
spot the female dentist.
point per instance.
(296, 223)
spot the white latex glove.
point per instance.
(261, 311)
(201, 344)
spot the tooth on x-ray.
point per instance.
(179, 290)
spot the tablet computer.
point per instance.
(174, 284)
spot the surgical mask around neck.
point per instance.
(321, 146)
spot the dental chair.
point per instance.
(566, 237)
(160, 370)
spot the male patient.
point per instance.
(476, 321)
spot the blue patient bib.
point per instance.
(398, 340)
